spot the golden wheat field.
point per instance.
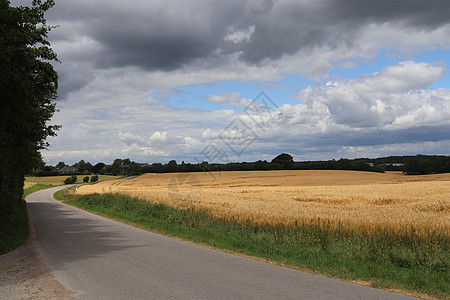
(355, 200)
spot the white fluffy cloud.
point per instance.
(385, 99)
(158, 137)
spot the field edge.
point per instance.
(68, 197)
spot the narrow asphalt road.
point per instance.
(102, 259)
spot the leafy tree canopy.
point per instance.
(60, 165)
(28, 88)
(283, 158)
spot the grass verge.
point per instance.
(14, 228)
(35, 188)
(408, 263)
(14, 231)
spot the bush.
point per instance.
(71, 179)
(94, 178)
(86, 179)
(46, 173)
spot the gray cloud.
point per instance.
(372, 137)
(417, 13)
(155, 35)
(292, 26)
(162, 35)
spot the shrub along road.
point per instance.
(100, 258)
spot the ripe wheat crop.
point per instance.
(357, 201)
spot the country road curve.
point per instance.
(99, 258)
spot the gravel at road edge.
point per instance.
(24, 275)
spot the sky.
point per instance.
(227, 81)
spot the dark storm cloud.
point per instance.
(418, 134)
(151, 35)
(419, 13)
(291, 27)
(70, 81)
(367, 144)
(153, 49)
(171, 35)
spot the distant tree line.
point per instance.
(425, 165)
(411, 165)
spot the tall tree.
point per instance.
(283, 158)
(60, 165)
(116, 167)
(28, 86)
(98, 167)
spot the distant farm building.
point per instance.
(68, 170)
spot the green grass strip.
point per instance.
(35, 188)
(14, 228)
(401, 262)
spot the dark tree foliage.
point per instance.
(98, 167)
(28, 86)
(172, 166)
(71, 179)
(116, 168)
(84, 167)
(410, 165)
(426, 165)
(282, 159)
(60, 165)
